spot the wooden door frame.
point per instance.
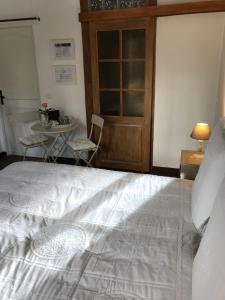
(143, 122)
(155, 11)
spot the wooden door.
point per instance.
(122, 68)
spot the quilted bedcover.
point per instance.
(71, 232)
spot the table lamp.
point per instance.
(201, 132)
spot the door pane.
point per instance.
(133, 75)
(133, 104)
(133, 43)
(108, 45)
(110, 103)
(109, 75)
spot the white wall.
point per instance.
(59, 20)
(188, 58)
(16, 9)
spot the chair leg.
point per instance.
(88, 164)
(87, 161)
(77, 158)
(25, 153)
(91, 158)
(44, 154)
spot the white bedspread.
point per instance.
(70, 232)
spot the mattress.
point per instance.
(70, 232)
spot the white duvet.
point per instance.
(70, 232)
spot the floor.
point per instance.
(7, 160)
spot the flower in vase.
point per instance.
(44, 104)
(44, 108)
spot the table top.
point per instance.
(191, 157)
(55, 129)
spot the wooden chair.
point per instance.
(32, 140)
(83, 146)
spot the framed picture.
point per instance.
(63, 49)
(65, 74)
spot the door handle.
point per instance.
(2, 98)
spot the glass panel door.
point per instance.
(134, 43)
(122, 56)
(121, 65)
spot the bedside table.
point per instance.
(189, 163)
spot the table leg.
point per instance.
(58, 146)
(49, 152)
(65, 138)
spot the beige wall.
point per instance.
(188, 60)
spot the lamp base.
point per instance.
(201, 146)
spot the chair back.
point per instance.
(99, 122)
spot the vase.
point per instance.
(44, 119)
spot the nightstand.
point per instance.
(189, 163)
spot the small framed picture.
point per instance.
(63, 49)
(65, 74)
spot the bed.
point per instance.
(71, 232)
(79, 233)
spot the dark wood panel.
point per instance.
(83, 5)
(87, 72)
(161, 171)
(122, 144)
(153, 91)
(155, 11)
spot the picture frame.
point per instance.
(62, 49)
(65, 74)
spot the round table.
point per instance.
(62, 135)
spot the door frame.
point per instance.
(91, 80)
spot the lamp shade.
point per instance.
(201, 132)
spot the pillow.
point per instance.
(209, 177)
(208, 276)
